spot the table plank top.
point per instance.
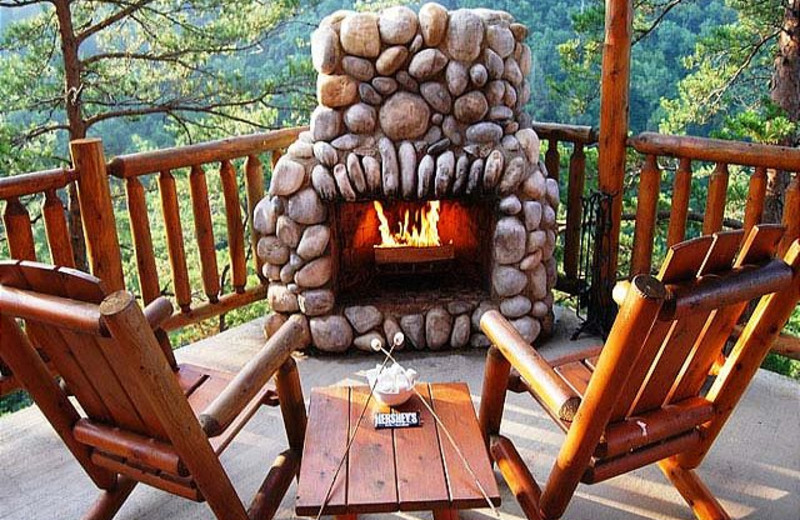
(409, 469)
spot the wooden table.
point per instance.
(410, 469)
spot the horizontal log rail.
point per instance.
(221, 157)
(692, 216)
(758, 158)
(586, 135)
(579, 137)
(17, 186)
(156, 161)
(717, 150)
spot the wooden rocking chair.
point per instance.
(145, 419)
(639, 399)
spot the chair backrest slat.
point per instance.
(84, 359)
(78, 382)
(676, 357)
(682, 263)
(87, 352)
(759, 246)
(678, 346)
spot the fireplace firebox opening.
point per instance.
(411, 254)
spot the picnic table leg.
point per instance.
(345, 517)
(445, 514)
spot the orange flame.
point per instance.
(421, 231)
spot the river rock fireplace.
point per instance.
(417, 200)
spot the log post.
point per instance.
(681, 193)
(613, 137)
(97, 210)
(754, 208)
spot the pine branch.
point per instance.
(21, 3)
(111, 20)
(654, 25)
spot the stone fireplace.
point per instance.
(417, 200)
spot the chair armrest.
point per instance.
(157, 312)
(549, 388)
(221, 412)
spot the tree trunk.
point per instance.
(77, 125)
(785, 92)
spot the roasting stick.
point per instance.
(397, 340)
(376, 345)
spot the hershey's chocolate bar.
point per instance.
(397, 420)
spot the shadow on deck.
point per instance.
(754, 468)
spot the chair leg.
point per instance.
(268, 498)
(110, 501)
(704, 505)
(493, 394)
(517, 476)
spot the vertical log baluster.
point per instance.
(715, 202)
(55, 225)
(172, 226)
(791, 215)
(577, 178)
(552, 159)
(254, 181)
(754, 209)
(233, 214)
(681, 192)
(649, 189)
(18, 231)
(204, 232)
(142, 240)
(274, 158)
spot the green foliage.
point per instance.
(765, 123)
(200, 67)
(729, 70)
(14, 401)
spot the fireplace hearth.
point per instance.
(417, 200)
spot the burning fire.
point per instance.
(417, 230)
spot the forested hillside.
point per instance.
(564, 80)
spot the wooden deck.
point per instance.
(754, 468)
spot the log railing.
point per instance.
(28, 190)
(755, 159)
(201, 160)
(579, 137)
(42, 192)
(96, 181)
